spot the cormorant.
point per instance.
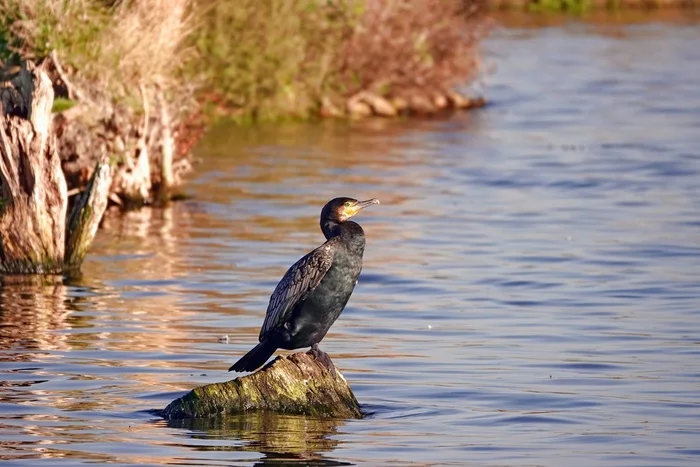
(315, 290)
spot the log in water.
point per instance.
(297, 384)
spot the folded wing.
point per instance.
(303, 277)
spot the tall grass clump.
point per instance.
(114, 48)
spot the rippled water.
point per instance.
(531, 291)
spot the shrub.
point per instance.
(269, 59)
(573, 6)
(403, 46)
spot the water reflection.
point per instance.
(282, 440)
(32, 309)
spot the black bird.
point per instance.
(315, 290)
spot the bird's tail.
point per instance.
(255, 358)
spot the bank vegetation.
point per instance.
(137, 81)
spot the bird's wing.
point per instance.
(303, 277)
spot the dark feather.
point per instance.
(255, 358)
(303, 277)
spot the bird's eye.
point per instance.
(348, 204)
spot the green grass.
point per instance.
(61, 103)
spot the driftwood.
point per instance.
(35, 234)
(86, 215)
(297, 384)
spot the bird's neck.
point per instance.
(350, 233)
(330, 228)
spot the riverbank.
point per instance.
(139, 81)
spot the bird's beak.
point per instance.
(354, 209)
(364, 204)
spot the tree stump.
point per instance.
(297, 385)
(35, 237)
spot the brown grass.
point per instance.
(145, 40)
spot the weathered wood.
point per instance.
(167, 149)
(34, 235)
(86, 215)
(133, 179)
(297, 384)
(148, 150)
(33, 196)
(458, 101)
(365, 104)
(358, 109)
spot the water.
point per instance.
(531, 291)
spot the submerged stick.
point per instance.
(297, 384)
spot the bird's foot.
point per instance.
(323, 358)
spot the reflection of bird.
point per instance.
(315, 290)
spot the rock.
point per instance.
(440, 101)
(459, 101)
(357, 109)
(329, 110)
(477, 102)
(379, 105)
(420, 104)
(399, 103)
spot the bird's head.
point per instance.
(341, 209)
